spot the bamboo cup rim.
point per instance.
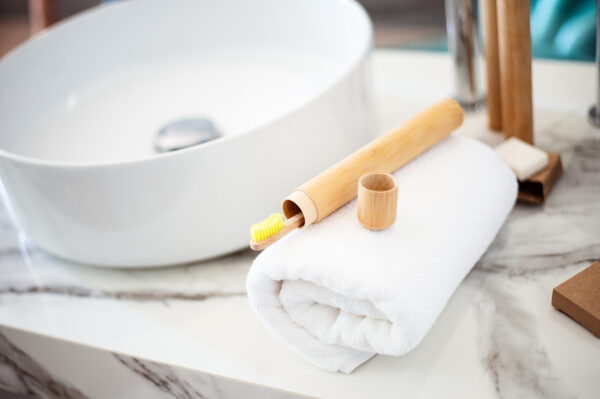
(378, 182)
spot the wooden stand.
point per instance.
(579, 298)
(377, 200)
(41, 14)
(535, 190)
(514, 44)
(492, 63)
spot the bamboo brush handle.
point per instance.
(333, 188)
(514, 43)
(492, 63)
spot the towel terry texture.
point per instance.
(338, 293)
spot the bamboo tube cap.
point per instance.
(300, 202)
(377, 200)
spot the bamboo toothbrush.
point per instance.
(272, 229)
(336, 186)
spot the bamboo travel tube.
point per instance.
(377, 200)
(336, 186)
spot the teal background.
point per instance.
(560, 29)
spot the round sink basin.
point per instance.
(283, 82)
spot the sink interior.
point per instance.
(118, 118)
(98, 88)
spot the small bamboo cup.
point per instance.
(377, 200)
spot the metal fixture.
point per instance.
(463, 43)
(593, 115)
(185, 133)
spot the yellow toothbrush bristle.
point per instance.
(266, 228)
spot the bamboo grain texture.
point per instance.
(514, 45)
(377, 200)
(492, 63)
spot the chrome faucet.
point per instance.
(463, 44)
(594, 111)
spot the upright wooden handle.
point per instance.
(41, 14)
(492, 63)
(333, 188)
(514, 43)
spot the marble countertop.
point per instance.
(188, 331)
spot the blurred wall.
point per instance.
(65, 7)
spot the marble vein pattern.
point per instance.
(506, 335)
(161, 376)
(537, 244)
(168, 381)
(142, 296)
(118, 376)
(23, 375)
(193, 283)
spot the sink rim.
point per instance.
(358, 56)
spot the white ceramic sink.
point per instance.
(284, 81)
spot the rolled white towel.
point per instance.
(338, 293)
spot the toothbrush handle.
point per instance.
(290, 225)
(336, 186)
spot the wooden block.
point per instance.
(579, 298)
(492, 64)
(535, 189)
(41, 14)
(514, 49)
